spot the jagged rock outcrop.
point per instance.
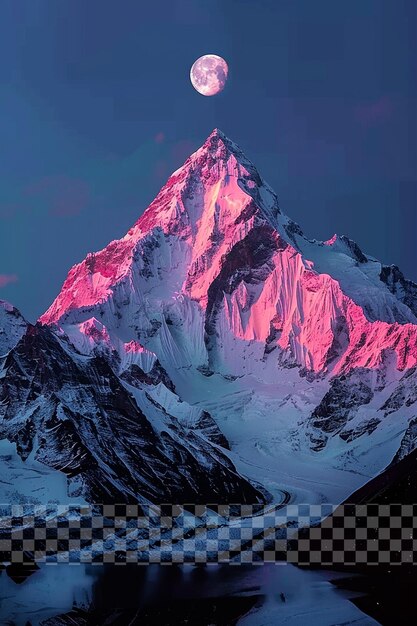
(114, 445)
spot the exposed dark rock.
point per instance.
(364, 428)
(405, 393)
(345, 395)
(404, 290)
(89, 426)
(408, 442)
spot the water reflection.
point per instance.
(213, 594)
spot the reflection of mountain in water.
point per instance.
(218, 595)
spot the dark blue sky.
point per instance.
(96, 110)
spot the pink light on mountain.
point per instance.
(93, 329)
(214, 255)
(135, 347)
(331, 241)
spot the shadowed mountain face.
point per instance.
(12, 326)
(84, 422)
(215, 324)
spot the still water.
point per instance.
(216, 594)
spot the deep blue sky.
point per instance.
(96, 109)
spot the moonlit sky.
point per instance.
(96, 110)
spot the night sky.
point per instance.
(96, 110)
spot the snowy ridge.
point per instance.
(215, 305)
(211, 203)
(213, 213)
(112, 439)
(12, 326)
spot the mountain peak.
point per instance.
(213, 200)
(214, 187)
(219, 146)
(216, 132)
(214, 208)
(217, 137)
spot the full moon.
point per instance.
(209, 74)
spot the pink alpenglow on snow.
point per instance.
(214, 341)
(135, 347)
(213, 274)
(95, 330)
(331, 241)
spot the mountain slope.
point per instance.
(214, 251)
(211, 203)
(115, 442)
(303, 352)
(12, 326)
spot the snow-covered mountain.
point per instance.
(216, 323)
(112, 436)
(12, 327)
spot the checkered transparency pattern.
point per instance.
(121, 533)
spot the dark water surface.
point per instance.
(163, 595)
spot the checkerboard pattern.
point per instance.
(121, 533)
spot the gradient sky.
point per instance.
(96, 110)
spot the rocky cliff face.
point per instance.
(113, 439)
(217, 302)
(12, 326)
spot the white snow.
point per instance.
(269, 327)
(30, 482)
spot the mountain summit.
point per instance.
(217, 324)
(202, 201)
(215, 236)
